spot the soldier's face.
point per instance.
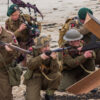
(15, 15)
(46, 48)
(75, 43)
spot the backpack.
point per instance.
(70, 23)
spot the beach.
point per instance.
(55, 13)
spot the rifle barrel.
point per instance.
(15, 47)
(61, 49)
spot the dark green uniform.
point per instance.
(75, 67)
(7, 57)
(43, 78)
(23, 37)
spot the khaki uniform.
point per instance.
(45, 75)
(73, 23)
(22, 37)
(7, 57)
(73, 68)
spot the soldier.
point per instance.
(44, 71)
(16, 23)
(75, 65)
(76, 22)
(7, 56)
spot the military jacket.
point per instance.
(13, 26)
(35, 63)
(71, 62)
(8, 57)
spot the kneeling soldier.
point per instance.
(43, 71)
(76, 65)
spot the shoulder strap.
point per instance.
(88, 71)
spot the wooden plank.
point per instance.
(86, 84)
(92, 24)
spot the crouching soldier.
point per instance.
(43, 71)
(76, 65)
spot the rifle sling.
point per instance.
(88, 71)
(43, 66)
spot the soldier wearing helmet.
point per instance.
(76, 22)
(76, 65)
(43, 71)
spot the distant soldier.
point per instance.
(43, 71)
(76, 22)
(76, 65)
(17, 23)
(7, 57)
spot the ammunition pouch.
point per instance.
(27, 75)
(14, 74)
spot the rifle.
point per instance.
(90, 46)
(15, 48)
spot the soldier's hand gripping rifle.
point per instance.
(90, 46)
(15, 48)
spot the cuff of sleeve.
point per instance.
(17, 33)
(82, 58)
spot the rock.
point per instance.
(55, 8)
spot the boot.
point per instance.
(49, 97)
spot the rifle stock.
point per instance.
(91, 46)
(16, 48)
